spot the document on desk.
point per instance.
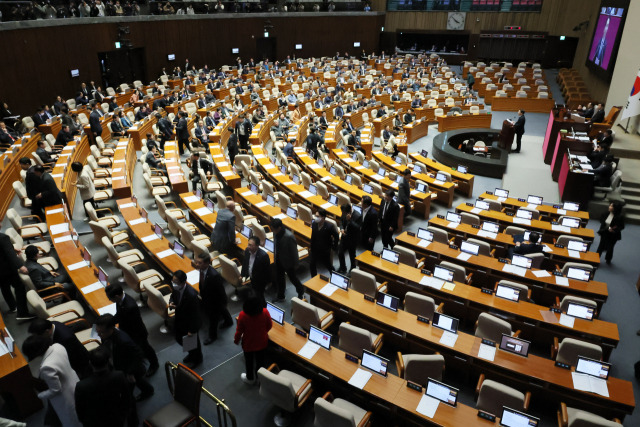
(170, 168)
(189, 342)
(261, 204)
(452, 225)
(549, 316)
(280, 216)
(449, 286)
(149, 238)
(463, 256)
(92, 287)
(57, 175)
(243, 194)
(567, 320)
(423, 243)
(277, 174)
(327, 178)
(107, 309)
(546, 248)
(448, 338)
(175, 175)
(54, 211)
(314, 166)
(432, 282)
(259, 156)
(564, 229)
(137, 221)
(487, 352)
(78, 265)
(524, 221)
(590, 383)
(540, 273)
(59, 228)
(395, 185)
(192, 199)
(427, 406)
(63, 239)
(376, 177)
(193, 277)
(119, 161)
(562, 281)
(520, 271)
(490, 235)
(360, 378)
(438, 182)
(476, 210)
(222, 164)
(287, 183)
(202, 211)
(127, 205)
(226, 173)
(326, 206)
(573, 254)
(309, 350)
(305, 194)
(562, 212)
(328, 289)
(165, 253)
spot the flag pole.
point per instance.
(625, 128)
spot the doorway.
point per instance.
(122, 66)
(266, 48)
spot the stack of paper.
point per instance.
(360, 378)
(590, 383)
(427, 406)
(432, 282)
(309, 350)
(328, 289)
(448, 338)
(487, 352)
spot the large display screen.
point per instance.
(606, 37)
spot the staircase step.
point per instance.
(631, 199)
(631, 218)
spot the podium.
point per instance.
(505, 137)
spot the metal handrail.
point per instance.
(222, 409)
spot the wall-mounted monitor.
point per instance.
(171, 57)
(356, 44)
(606, 37)
(298, 47)
(75, 73)
(235, 50)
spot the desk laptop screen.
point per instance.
(387, 301)
(268, 245)
(578, 274)
(571, 222)
(521, 261)
(425, 234)
(453, 217)
(246, 231)
(178, 248)
(442, 392)
(441, 177)
(481, 204)
(581, 311)
(593, 367)
(491, 227)
(524, 214)
(571, 206)
(374, 362)
(470, 248)
(276, 313)
(391, 256)
(575, 245)
(443, 273)
(512, 418)
(339, 280)
(445, 322)
(514, 345)
(292, 213)
(536, 200)
(499, 192)
(320, 337)
(507, 292)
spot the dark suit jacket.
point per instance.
(78, 354)
(152, 161)
(390, 218)
(351, 228)
(602, 174)
(527, 248)
(40, 276)
(126, 356)
(39, 119)
(261, 272)
(223, 236)
(286, 249)
(212, 289)
(50, 193)
(323, 238)
(103, 400)
(598, 116)
(116, 127)
(182, 132)
(187, 317)
(203, 164)
(94, 122)
(232, 145)
(63, 138)
(404, 193)
(9, 261)
(44, 155)
(519, 125)
(166, 128)
(129, 319)
(369, 228)
(201, 134)
(617, 223)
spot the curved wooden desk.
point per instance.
(446, 123)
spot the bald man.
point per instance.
(223, 236)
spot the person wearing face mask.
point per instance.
(187, 322)
(324, 236)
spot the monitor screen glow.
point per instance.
(320, 337)
(372, 361)
(276, 313)
(391, 256)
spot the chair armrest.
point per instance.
(382, 286)
(558, 267)
(104, 209)
(126, 242)
(516, 334)
(115, 233)
(554, 348)
(171, 203)
(440, 307)
(365, 420)
(31, 227)
(306, 384)
(146, 278)
(56, 287)
(162, 286)
(328, 396)
(480, 381)
(377, 344)
(82, 320)
(469, 276)
(400, 365)
(329, 314)
(137, 263)
(236, 261)
(527, 399)
(563, 416)
(557, 302)
(492, 253)
(65, 312)
(56, 295)
(35, 217)
(273, 368)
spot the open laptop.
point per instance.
(441, 177)
(579, 274)
(312, 189)
(367, 188)
(491, 227)
(521, 261)
(320, 162)
(417, 169)
(499, 192)
(246, 231)
(391, 256)
(333, 199)
(593, 367)
(571, 206)
(462, 169)
(332, 170)
(320, 337)
(424, 153)
(387, 301)
(270, 200)
(276, 313)
(534, 200)
(86, 256)
(507, 292)
(524, 214)
(357, 208)
(292, 213)
(296, 179)
(339, 280)
(424, 234)
(253, 188)
(209, 204)
(422, 188)
(375, 363)
(382, 172)
(470, 248)
(348, 179)
(515, 345)
(568, 221)
(454, 217)
(365, 163)
(580, 310)
(178, 248)
(103, 277)
(512, 418)
(481, 204)
(158, 230)
(443, 273)
(442, 392)
(445, 322)
(268, 245)
(575, 245)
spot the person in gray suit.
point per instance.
(223, 236)
(43, 278)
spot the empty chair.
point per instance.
(418, 368)
(408, 257)
(535, 214)
(568, 350)
(187, 236)
(21, 192)
(110, 221)
(439, 235)
(231, 273)
(543, 95)
(521, 94)
(305, 214)
(365, 283)
(524, 291)
(27, 231)
(537, 259)
(130, 256)
(485, 248)
(305, 315)
(492, 396)
(159, 190)
(469, 218)
(140, 281)
(494, 205)
(439, 112)
(354, 339)
(164, 212)
(285, 389)
(115, 237)
(331, 412)
(573, 417)
(420, 305)
(564, 239)
(184, 409)
(43, 245)
(512, 230)
(474, 109)
(616, 181)
(62, 313)
(491, 327)
(570, 299)
(568, 265)
(459, 273)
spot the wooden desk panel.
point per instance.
(446, 123)
(416, 130)
(11, 172)
(530, 105)
(545, 210)
(75, 151)
(124, 161)
(225, 171)
(51, 128)
(178, 181)
(140, 129)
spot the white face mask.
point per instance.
(176, 286)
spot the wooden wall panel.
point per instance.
(42, 57)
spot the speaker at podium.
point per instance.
(505, 137)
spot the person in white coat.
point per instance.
(84, 184)
(57, 375)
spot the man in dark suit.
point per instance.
(130, 321)
(182, 132)
(286, 259)
(104, 398)
(404, 192)
(49, 193)
(125, 355)
(256, 267)
(324, 237)
(10, 265)
(408, 117)
(605, 139)
(44, 155)
(94, 120)
(59, 333)
(349, 225)
(223, 236)
(388, 218)
(165, 128)
(313, 142)
(202, 134)
(64, 136)
(33, 186)
(602, 174)
(184, 300)
(153, 160)
(232, 147)
(596, 157)
(42, 278)
(369, 228)
(214, 297)
(529, 248)
(518, 127)
(197, 164)
(39, 118)
(598, 115)
(84, 90)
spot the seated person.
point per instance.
(602, 174)
(196, 163)
(392, 145)
(45, 155)
(596, 157)
(201, 133)
(532, 247)
(43, 278)
(408, 117)
(116, 128)
(153, 159)
(288, 149)
(386, 133)
(397, 123)
(353, 142)
(605, 139)
(151, 142)
(64, 136)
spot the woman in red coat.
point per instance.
(253, 327)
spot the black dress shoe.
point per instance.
(152, 370)
(226, 325)
(209, 341)
(277, 299)
(193, 365)
(141, 397)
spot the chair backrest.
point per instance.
(418, 368)
(493, 396)
(523, 289)
(354, 339)
(156, 301)
(419, 304)
(111, 251)
(229, 271)
(305, 214)
(568, 265)
(492, 327)
(407, 256)
(568, 299)
(187, 389)
(570, 348)
(469, 218)
(537, 259)
(459, 273)
(363, 282)
(99, 231)
(304, 314)
(328, 414)
(38, 304)
(130, 276)
(512, 230)
(221, 200)
(564, 239)
(277, 388)
(485, 248)
(494, 205)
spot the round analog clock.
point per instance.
(455, 21)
